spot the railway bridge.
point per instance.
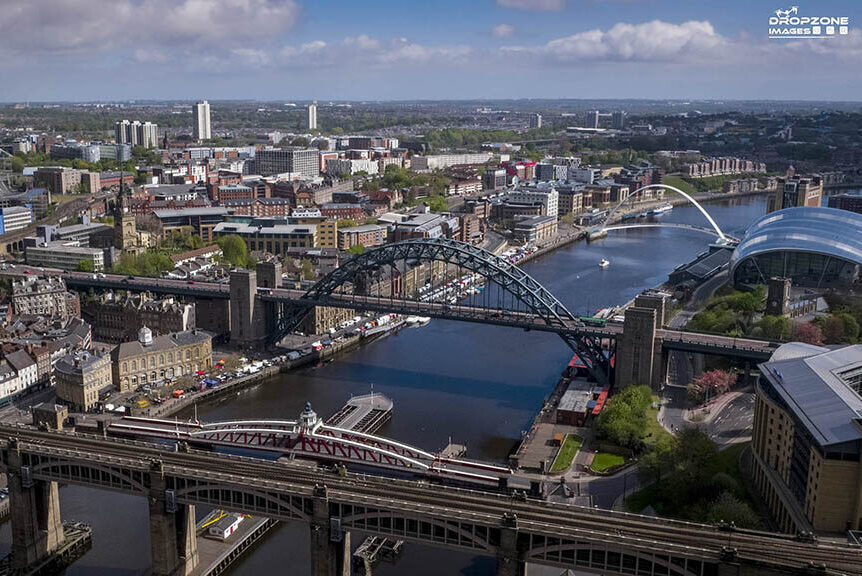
(514, 530)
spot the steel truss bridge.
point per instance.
(513, 529)
(310, 438)
(377, 280)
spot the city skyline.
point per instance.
(217, 49)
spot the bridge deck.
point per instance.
(535, 519)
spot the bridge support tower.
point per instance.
(509, 557)
(637, 349)
(247, 322)
(173, 539)
(330, 544)
(37, 530)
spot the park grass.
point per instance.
(604, 461)
(566, 454)
(678, 182)
(655, 431)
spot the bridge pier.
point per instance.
(635, 362)
(330, 545)
(509, 560)
(173, 539)
(37, 529)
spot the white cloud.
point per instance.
(503, 30)
(64, 26)
(649, 41)
(368, 51)
(546, 5)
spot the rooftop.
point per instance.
(815, 384)
(163, 342)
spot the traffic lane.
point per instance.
(735, 420)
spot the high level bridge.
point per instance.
(514, 530)
(426, 276)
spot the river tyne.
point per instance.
(478, 385)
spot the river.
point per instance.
(478, 385)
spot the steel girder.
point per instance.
(524, 288)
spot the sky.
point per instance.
(86, 50)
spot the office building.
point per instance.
(533, 229)
(57, 179)
(201, 220)
(64, 254)
(547, 197)
(807, 440)
(618, 120)
(795, 191)
(41, 296)
(440, 161)
(851, 201)
(79, 377)
(273, 235)
(302, 161)
(535, 121)
(312, 116)
(591, 119)
(366, 235)
(117, 317)
(201, 128)
(15, 218)
(494, 179)
(150, 360)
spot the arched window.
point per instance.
(170, 357)
(125, 367)
(134, 365)
(161, 359)
(152, 361)
(188, 354)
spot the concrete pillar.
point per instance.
(37, 529)
(330, 545)
(657, 302)
(247, 326)
(636, 348)
(173, 540)
(509, 561)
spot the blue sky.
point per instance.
(434, 49)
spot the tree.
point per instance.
(808, 333)
(711, 384)
(235, 250)
(437, 203)
(624, 419)
(729, 509)
(322, 145)
(356, 249)
(86, 266)
(346, 223)
(307, 268)
(301, 141)
(774, 328)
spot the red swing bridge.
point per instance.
(311, 438)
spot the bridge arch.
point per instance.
(685, 195)
(509, 277)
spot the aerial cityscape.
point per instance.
(504, 287)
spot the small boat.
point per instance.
(642, 215)
(629, 216)
(604, 263)
(423, 320)
(662, 209)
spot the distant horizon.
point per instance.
(324, 101)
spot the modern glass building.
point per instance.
(814, 247)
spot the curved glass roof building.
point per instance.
(814, 247)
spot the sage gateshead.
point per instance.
(814, 247)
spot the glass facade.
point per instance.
(814, 247)
(803, 268)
